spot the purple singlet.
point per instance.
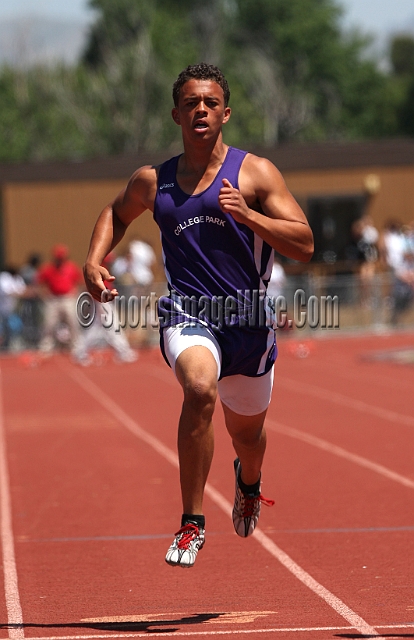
(217, 269)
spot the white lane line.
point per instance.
(339, 398)
(11, 589)
(334, 602)
(339, 451)
(215, 633)
(317, 442)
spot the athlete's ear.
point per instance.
(175, 115)
(227, 114)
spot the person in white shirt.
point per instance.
(12, 286)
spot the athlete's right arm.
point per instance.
(131, 202)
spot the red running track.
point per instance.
(90, 502)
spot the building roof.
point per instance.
(287, 157)
(342, 155)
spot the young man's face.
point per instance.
(201, 111)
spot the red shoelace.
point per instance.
(249, 503)
(188, 532)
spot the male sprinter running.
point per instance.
(221, 212)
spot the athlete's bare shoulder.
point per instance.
(260, 169)
(138, 195)
(259, 177)
(143, 184)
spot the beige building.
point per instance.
(335, 183)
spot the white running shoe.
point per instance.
(246, 509)
(187, 543)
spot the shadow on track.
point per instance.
(358, 636)
(151, 626)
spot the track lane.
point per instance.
(161, 420)
(334, 602)
(395, 502)
(377, 437)
(58, 472)
(348, 363)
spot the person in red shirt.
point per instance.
(60, 280)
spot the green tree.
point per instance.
(132, 54)
(402, 82)
(119, 23)
(402, 55)
(302, 72)
(34, 121)
(294, 75)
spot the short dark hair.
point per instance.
(202, 71)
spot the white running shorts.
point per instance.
(242, 394)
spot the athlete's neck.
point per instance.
(197, 168)
(197, 160)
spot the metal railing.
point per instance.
(376, 302)
(308, 304)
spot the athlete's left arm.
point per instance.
(284, 225)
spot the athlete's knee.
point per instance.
(200, 393)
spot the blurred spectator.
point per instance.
(403, 286)
(392, 245)
(121, 268)
(11, 288)
(142, 263)
(366, 239)
(134, 270)
(31, 304)
(409, 236)
(60, 279)
(97, 335)
(134, 276)
(364, 246)
(30, 269)
(397, 255)
(369, 238)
